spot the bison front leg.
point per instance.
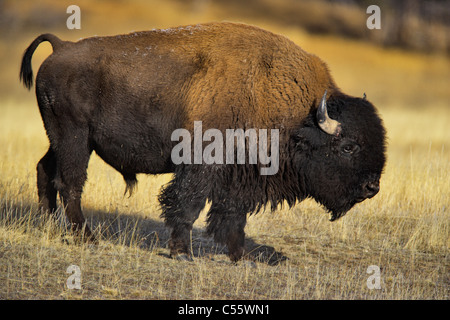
(181, 204)
(227, 227)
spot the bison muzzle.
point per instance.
(123, 96)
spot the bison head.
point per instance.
(340, 153)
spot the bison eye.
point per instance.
(349, 148)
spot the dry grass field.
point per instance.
(404, 230)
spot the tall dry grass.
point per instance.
(404, 230)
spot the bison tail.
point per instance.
(26, 72)
(131, 181)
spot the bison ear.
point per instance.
(302, 144)
(305, 139)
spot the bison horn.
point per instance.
(327, 124)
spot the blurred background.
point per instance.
(405, 64)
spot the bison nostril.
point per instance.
(371, 188)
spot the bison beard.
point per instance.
(123, 96)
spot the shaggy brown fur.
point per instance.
(123, 96)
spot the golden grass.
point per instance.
(404, 230)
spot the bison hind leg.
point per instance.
(131, 182)
(72, 153)
(46, 171)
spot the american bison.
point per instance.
(123, 97)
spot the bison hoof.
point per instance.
(78, 237)
(182, 257)
(246, 264)
(84, 235)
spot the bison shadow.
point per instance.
(134, 229)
